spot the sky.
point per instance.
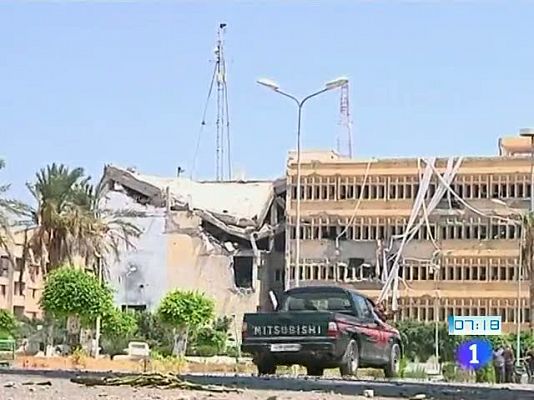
(89, 83)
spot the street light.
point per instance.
(331, 85)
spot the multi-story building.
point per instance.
(462, 254)
(20, 288)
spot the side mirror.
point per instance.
(274, 300)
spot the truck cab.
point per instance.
(322, 327)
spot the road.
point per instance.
(254, 388)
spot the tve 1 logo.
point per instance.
(474, 354)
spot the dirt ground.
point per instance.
(105, 364)
(14, 388)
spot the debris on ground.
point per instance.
(41, 383)
(166, 381)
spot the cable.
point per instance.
(203, 123)
(357, 205)
(425, 214)
(228, 129)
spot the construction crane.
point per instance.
(222, 122)
(344, 137)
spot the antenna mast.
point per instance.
(344, 138)
(223, 119)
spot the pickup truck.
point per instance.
(322, 327)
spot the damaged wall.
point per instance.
(215, 237)
(196, 261)
(139, 277)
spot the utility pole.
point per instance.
(223, 120)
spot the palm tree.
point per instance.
(8, 209)
(70, 223)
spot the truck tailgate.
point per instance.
(278, 326)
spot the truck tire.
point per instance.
(350, 360)
(266, 367)
(391, 369)
(314, 370)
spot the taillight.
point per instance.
(244, 329)
(333, 330)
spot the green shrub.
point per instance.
(486, 374)
(8, 324)
(418, 373)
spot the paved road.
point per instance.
(391, 389)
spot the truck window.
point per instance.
(362, 307)
(316, 301)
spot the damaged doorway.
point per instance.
(243, 271)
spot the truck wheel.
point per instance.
(315, 370)
(350, 361)
(391, 370)
(266, 367)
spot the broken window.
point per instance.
(243, 268)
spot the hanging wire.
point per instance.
(228, 130)
(203, 123)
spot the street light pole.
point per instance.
(336, 83)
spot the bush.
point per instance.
(151, 329)
(8, 324)
(486, 374)
(206, 350)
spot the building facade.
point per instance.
(452, 225)
(20, 287)
(220, 238)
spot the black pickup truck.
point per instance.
(322, 327)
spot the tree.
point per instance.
(78, 296)
(8, 323)
(70, 222)
(185, 311)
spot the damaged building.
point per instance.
(433, 236)
(221, 238)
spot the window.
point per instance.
(362, 307)
(243, 272)
(4, 265)
(278, 275)
(18, 311)
(18, 289)
(316, 301)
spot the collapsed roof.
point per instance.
(238, 207)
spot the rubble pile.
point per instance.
(156, 380)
